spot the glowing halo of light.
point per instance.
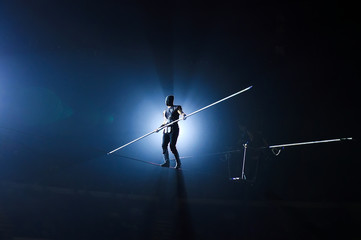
(143, 112)
(188, 138)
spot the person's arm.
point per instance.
(164, 122)
(165, 119)
(183, 115)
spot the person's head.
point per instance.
(169, 100)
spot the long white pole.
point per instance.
(311, 142)
(168, 124)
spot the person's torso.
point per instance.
(171, 114)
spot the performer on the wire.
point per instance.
(170, 133)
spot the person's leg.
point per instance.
(166, 140)
(173, 141)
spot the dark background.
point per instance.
(80, 78)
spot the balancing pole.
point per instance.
(168, 124)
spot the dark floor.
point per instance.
(157, 203)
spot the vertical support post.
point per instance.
(243, 176)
